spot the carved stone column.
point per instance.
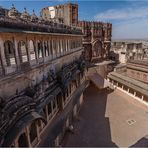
(28, 50)
(2, 56)
(36, 49)
(16, 51)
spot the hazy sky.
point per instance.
(129, 17)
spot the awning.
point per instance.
(19, 126)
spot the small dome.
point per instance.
(34, 18)
(13, 13)
(25, 15)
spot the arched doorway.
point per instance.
(22, 141)
(9, 53)
(97, 49)
(22, 51)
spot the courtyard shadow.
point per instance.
(143, 142)
(93, 128)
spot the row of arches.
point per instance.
(32, 50)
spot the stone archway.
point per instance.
(9, 53)
(22, 51)
(22, 141)
(97, 48)
(32, 50)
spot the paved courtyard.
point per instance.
(109, 120)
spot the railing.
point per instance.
(13, 69)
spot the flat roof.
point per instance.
(132, 83)
(138, 68)
(9, 30)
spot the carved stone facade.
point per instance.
(128, 51)
(42, 79)
(97, 39)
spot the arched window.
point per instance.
(32, 50)
(40, 49)
(9, 53)
(97, 49)
(22, 141)
(22, 51)
(46, 48)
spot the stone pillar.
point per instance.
(49, 49)
(112, 82)
(53, 50)
(128, 90)
(52, 113)
(2, 54)
(36, 49)
(134, 93)
(69, 47)
(28, 50)
(16, 51)
(142, 97)
(58, 48)
(66, 45)
(43, 50)
(28, 136)
(38, 132)
(122, 86)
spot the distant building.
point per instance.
(66, 13)
(97, 39)
(128, 50)
(132, 79)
